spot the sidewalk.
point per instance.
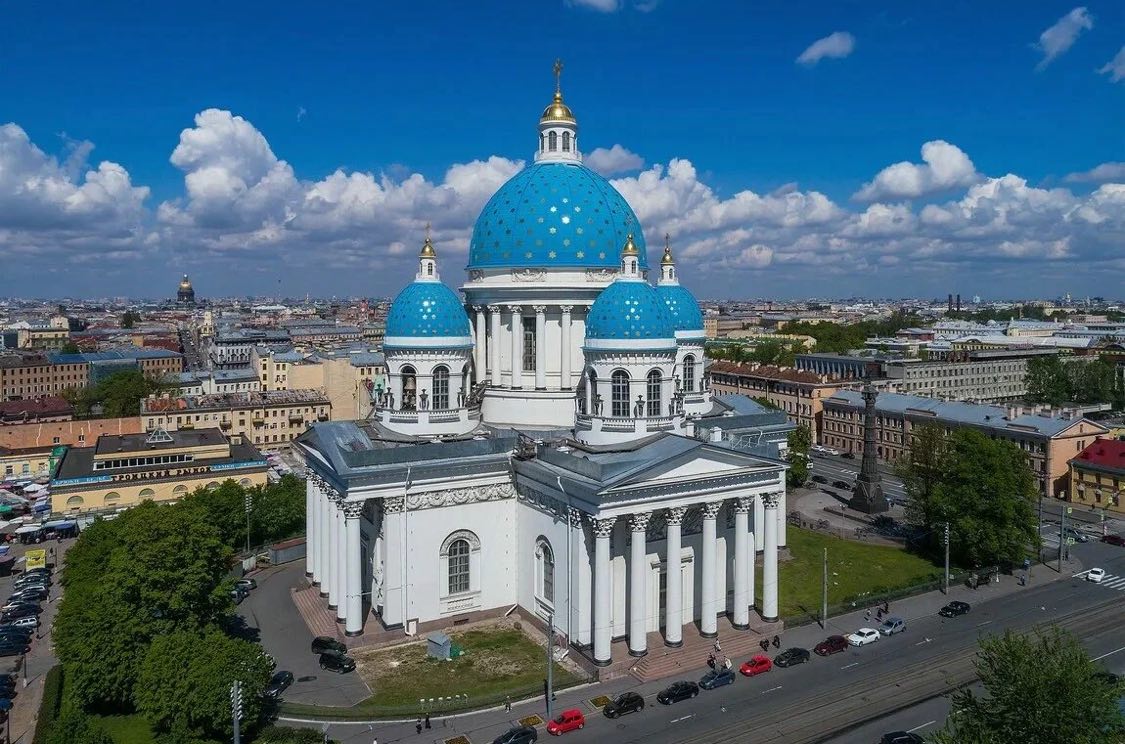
(806, 636)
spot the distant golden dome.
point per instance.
(667, 258)
(558, 111)
(185, 283)
(428, 249)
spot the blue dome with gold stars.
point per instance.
(682, 308)
(629, 311)
(427, 310)
(554, 215)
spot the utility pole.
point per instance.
(824, 595)
(947, 558)
(550, 693)
(248, 501)
(236, 708)
(1062, 535)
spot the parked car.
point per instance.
(14, 612)
(12, 632)
(791, 657)
(517, 735)
(33, 593)
(831, 645)
(892, 625)
(863, 636)
(29, 621)
(1113, 539)
(841, 484)
(848, 455)
(337, 663)
(717, 678)
(246, 584)
(953, 609)
(756, 665)
(237, 595)
(626, 702)
(901, 737)
(1095, 575)
(1078, 535)
(819, 479)
(677, 692)
(279, 682)
(13, 648)
(322, 644)
(568, 720)
(24, 579)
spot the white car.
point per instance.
(31, 621)
(1095, 575)
(830, 451)
(863, 636)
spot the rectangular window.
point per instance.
(528, 344)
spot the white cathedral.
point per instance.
(547, 440)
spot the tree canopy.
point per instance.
(982, 487)
(117, 395)
(277, 510)
(1040, 689)
(800, 439)
(1052, 381)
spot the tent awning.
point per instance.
(27, 528)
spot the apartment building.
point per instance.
(348, 377)
(1049, 438)
(33, 375)
(265, 418)
(985, 375)
(1097, 476)
(799, 394)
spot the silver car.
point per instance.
(892, 625)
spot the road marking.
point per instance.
(683, 718)
(921, 726)
(1080, 573)
(771, 689)
(924, 640)
(1111, 653)
(849, 666)
(986, 622)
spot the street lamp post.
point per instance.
(248, 501)
(824, 594)
(550, 660)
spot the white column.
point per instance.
(759, 522)
(742, 589)
(769, 558)
(481, 357)
(540, 347)
(674, 594)
(325, 546)
(638, 582)
(750, 570)
(566, 383)
(603, 623)
(310, 531)
(354, 597)
(517, 345)
(708, 627)
(494, 363)
(341, 549)
(333, 553)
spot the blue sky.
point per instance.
(332, 130)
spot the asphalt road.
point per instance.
(834, 467)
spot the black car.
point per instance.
(517, 735)
(322, 644)
(626, 702)
(717, 678)
(278, 683)
(677, 692)
(25, 579)
(337, 663)
(791, 657)
(1114, 540)
(22, 634)
(848, 455)
(31, 593)
(953, 609)
(901, 737)
(18, 611)
(841, 484)
(10, 648)
(819, 479)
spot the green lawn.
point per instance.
(127, 729)
(854, 569)
(497, 662)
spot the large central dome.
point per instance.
(554, 215)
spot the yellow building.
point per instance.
(266, 418)
(25, 462)
(124, 470)
(1097, 476)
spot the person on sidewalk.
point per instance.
(765, 644)
(418, 726)
(867, 615)
(508, 704)
(777, 641)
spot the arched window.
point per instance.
(409, 388)
(460, 562)
(429, 269)
(74, 502)
(212, 485)
(619, 393)
(654, 393)
(545, 570)
(441, 388)
(459, 566)
(689, 374)
(111, 498)
(245, 482)
(146, 493)
(179, 491)
(566, 141)
(552, 141)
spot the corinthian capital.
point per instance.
(743, 504)
(711, 510)
(675, 515)
(639, 522)
(772, 500)
(604, 527)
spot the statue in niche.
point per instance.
(597, 404)
(423, 400)
(639, 407)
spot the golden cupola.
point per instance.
(558, 129)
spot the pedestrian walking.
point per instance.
(765, 645)
(867, 615)
(879, 614)
(718, 648)
(418, 727)
(508, 704)
(711, 661)
(886, 608)
(777, 641)
(427, 721)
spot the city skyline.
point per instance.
(931, 150)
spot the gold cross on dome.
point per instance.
(427, 231)
(558, 75)
(667, 241)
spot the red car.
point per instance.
(568, 720)
(831, 645)
(756, 665)
(1114, 539)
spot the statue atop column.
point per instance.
(868, 494)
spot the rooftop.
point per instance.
(136, 352)
(768, 372)
(233, 400)
(16, 410)
(1107, 453)
(145, 441)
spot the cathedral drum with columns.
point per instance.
(547, 440)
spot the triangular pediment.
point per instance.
(699, 464)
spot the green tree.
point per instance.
(1093, 382)
(75, 727)
(762, 400)
(1048, 381)
(70, 348)
(983, 488)
(277, 510)
(130, 318)
(800, 440)
(1037, 690)
(288, 735)
(184, 681)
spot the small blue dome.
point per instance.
(628, 310)
(427, 310)
(682, 308)
(554, 215)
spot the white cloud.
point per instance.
(302, 112)
(836, 45)
(1061, 36)
(944, 166)
(1115, 68)
(602, 6)
(1113, 171)
(614, 160)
